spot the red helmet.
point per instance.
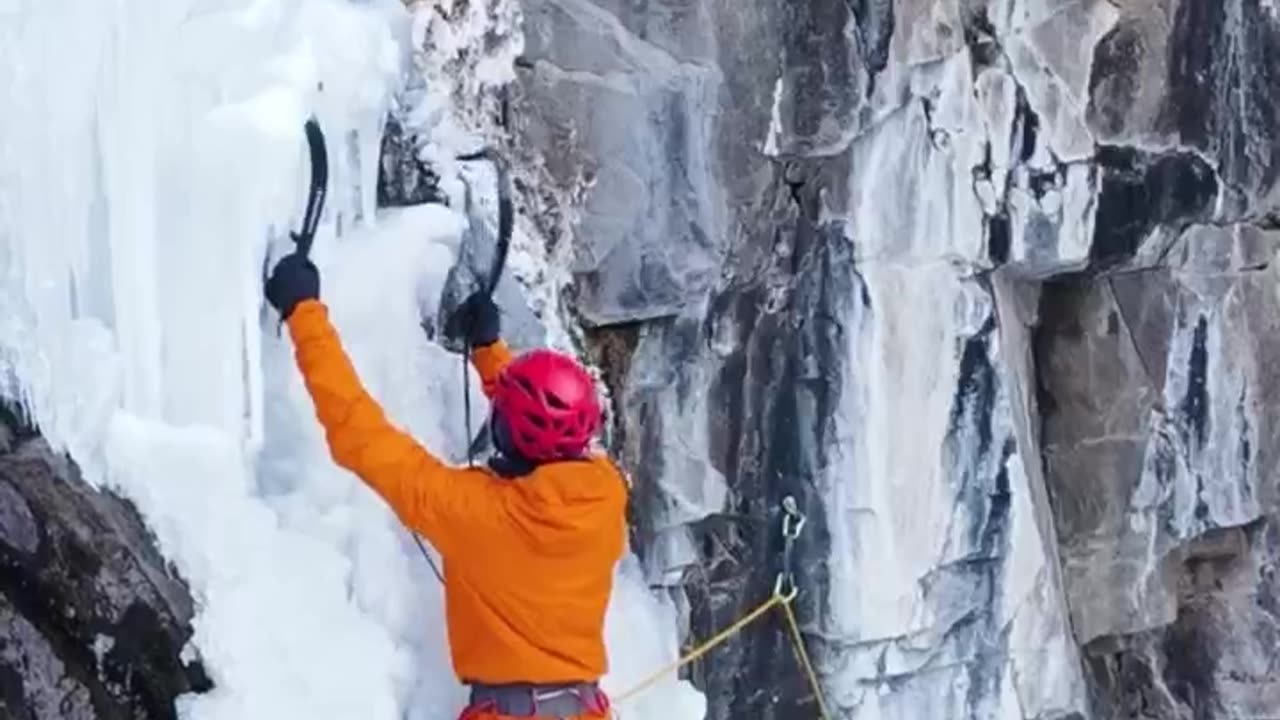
(549, 405)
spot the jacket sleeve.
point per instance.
(489, 360)
(443, 503)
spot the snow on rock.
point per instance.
(143, 186)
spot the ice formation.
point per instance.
(151, 159)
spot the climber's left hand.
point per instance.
(477, 320)
(294, 279)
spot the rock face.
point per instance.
(92, 623)
(1217, 658)
(987, 287)
(1157, 392)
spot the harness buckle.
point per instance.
(557, 700)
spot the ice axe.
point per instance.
(319, 185)
(506, 216)
(306, 234)
(456, 290)
(476, 230)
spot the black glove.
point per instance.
(476, 319)
(294, 279)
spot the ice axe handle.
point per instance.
(506, 214)
(319, 186)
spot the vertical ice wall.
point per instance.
(150, 154)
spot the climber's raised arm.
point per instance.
(444, 503)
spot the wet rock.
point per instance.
(1155, 385)
(92, 620)
(987, 286)
(1217, 658)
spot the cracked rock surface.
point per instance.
(987, 286)
(92, 622)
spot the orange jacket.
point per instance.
(528, 563)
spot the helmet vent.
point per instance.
(526, 386)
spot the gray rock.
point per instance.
(17, 526)
(1199, 76)
(1156, 384)
(987, 286)
(1217, 658)
(92, 620)
(30, 663)
(650, 228)
(848, 352)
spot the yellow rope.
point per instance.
(798, 641)
(704, 648)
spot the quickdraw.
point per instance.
(785, 591)
(792, 523)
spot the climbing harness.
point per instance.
(785, 591)
(551, 700)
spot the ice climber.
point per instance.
(529, 543)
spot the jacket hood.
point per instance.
(561, 504)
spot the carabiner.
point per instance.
(792, 520)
